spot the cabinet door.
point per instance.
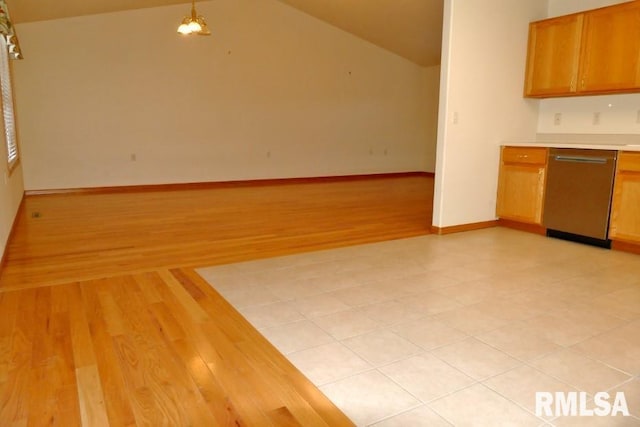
(610, 57)
(553, 56)
(625, 209)
(521, 192)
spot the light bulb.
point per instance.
(184, 29)
(194, 27)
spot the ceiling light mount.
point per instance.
(194, 24)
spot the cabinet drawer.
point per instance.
(524, 155)
(628, 161)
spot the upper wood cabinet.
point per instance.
(593, 52)
(521, 184)
(625, 209)
(553, 56)
(610, 53)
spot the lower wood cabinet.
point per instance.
(625, 209)
(521, 184)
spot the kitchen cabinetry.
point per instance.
(553, 56)
(625, 208)
(610, 52)
(594, 52)
(521, 184)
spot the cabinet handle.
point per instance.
(572, 85)
(523, 156)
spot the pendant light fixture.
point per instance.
(194, 24)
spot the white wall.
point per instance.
(272, 93)
(564, 7)
(430, 115)
(619, 114)
(481, 102)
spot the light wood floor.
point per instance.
(104, 322)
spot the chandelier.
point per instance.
(194, 24)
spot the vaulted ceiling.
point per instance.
(409, 28)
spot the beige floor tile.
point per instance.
(506, 309)
(594, 320)
(426, 377)
(579, 371)
(471, 292)
(320, 268)
(425, 281)
(447, 259)
(464, 273)
(381, 347)
(241, 297)
(469, 320)
(346, 324)
(390, 312)
(296, 336)
(331, 282)
(521, 384)
(319, 305)
(328, 363)
(525, 278)
(607, 304)
(558, 328)
(369, 397)
(518, 342)
(582, 287)
(421, 416)
(428, 333)
(618, 421)
(631, 392)
(391, 288)
(430, 302)
(481, 406)
(361, 295)
(293, 289)
(540, 300)
(266, 316)
(616, 350)
(476, 359)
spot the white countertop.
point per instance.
(588, 146)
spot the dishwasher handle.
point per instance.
(581, 159)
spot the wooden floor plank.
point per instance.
(116, 397)
(93, 411)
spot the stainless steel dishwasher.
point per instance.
(578, 195)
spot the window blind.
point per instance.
(7, 103)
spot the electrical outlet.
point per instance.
(456, 118)
(596, 118)
(134, 157)
(557, 119)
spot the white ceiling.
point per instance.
(409, 28)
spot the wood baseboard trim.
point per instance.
(618, 245)
(225, 184)
(523, 226)
(463, 227)
(11, 232)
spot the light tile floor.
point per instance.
(451, 330)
